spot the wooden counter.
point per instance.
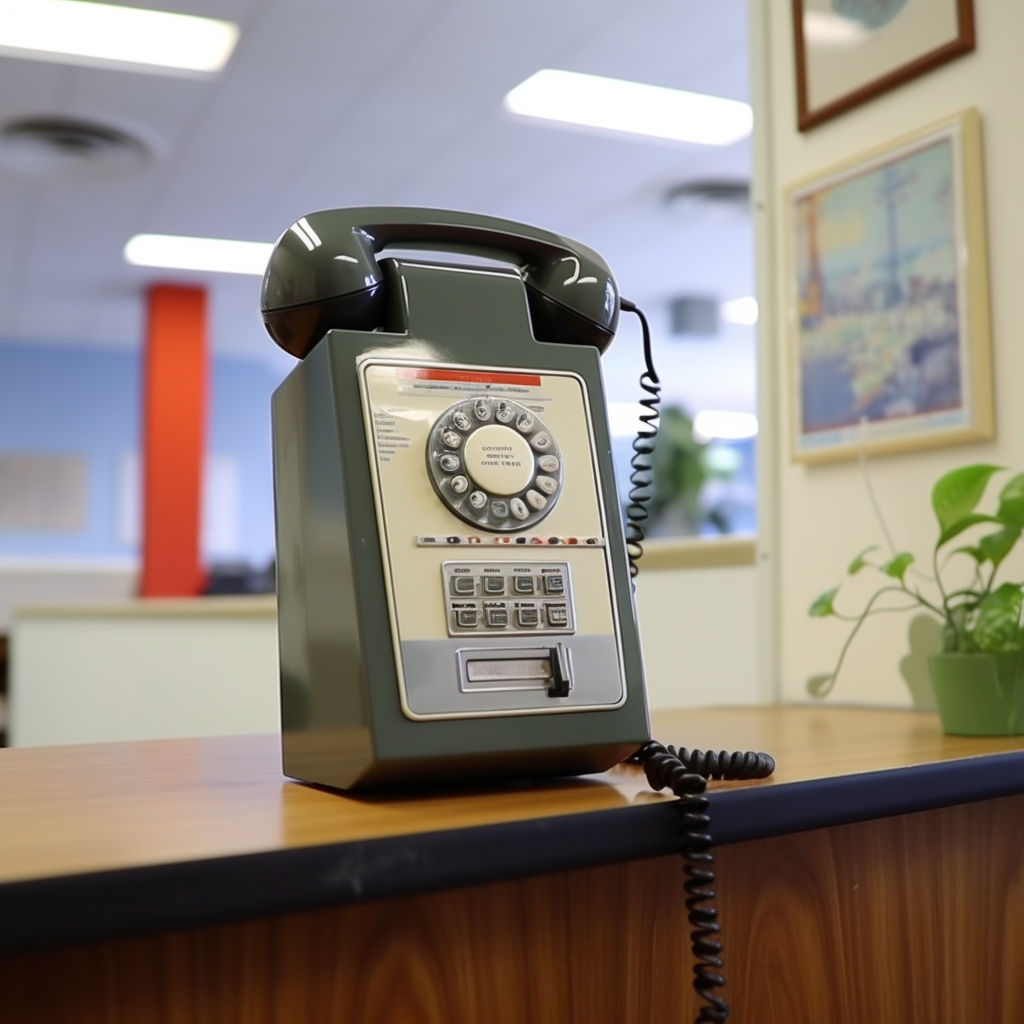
(189, 880)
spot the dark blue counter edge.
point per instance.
(52, 912)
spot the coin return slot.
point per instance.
(535, 668)
(521, 669)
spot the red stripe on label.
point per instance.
(469, 376)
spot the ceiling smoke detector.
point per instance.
(55, 145)
(715, 198)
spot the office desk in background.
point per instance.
(143, 670)
(878, 877)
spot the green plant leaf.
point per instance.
(1011, 502)
(996, 546)
(820, 684)
(997, 625)
(897, 566)
(957, 493)
(822, 604)
(976, 553)
(858, 563)
(956, 528)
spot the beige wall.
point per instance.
(819, 517)
(698, 629)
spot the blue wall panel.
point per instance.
(71, 400)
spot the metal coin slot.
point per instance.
(491, 671)
(534, 668)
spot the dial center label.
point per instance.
(499, 459)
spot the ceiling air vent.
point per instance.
(714, 198)
(52, 145)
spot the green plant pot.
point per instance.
(979, 694)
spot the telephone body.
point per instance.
(454, 595)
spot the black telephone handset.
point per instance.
(323, 273)
(507, 607)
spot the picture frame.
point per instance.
(889, 346)
(849, 51)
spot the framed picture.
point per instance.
(888, 298)
(849, 51)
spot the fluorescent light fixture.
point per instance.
(98, 34)
(616, 105)
(740, 311)
(177, 252)
(715, 424)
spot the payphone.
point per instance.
(453, 585)
(453, 574)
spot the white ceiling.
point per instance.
(328, 104)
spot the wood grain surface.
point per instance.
(604, 946)
(108, 806)
(915, 919)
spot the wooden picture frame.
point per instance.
(849, 51)
(887, 277)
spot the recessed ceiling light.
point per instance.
(620, 106)
(105, 35)
(178, 252)
(740, 311)
(719, 424)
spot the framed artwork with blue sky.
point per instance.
(888, 298)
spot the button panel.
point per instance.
(484, 598)
(494, 463)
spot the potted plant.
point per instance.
(979, 675)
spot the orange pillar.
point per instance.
(174, 434)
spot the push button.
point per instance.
(558, 616)
(535, 499)
(522, 584)
(541, 442)
(554, 584)
(497, 618)
(460, 484)
(449, 463)
(463, 586)
(499, 509)
(461, 420)
(478, 499)
(547, 484)
(525, 423)
(519, 509)
(527, 617)
(505, 413)
(494, 584)
(465, 618)
(549, 463)
(482, 409)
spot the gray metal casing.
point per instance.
(343, 724)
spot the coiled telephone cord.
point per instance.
(641, 479)
(686, 772)
(683, 771)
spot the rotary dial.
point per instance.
(494, 463)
